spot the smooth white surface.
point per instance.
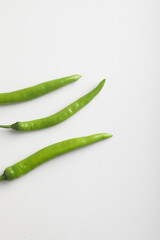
(109, 190)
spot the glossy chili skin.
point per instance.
(36, 91)
(58, 117)
(45, 154)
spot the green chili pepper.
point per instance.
(58, 117)
(36, 91)
(45, 154)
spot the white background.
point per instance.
(109, 190)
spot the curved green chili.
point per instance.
(45, 154)
(36, 91)
(58, 117)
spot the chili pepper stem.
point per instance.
(2, 177)
(5, 126)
